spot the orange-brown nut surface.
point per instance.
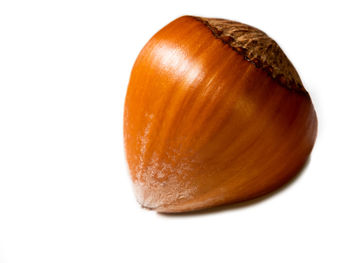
(215, 113)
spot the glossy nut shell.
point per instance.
(213, 116)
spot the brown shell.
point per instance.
(204, 126)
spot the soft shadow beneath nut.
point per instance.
(242, 205)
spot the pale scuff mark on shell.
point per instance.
(159, 181)
(162, 182)
(156, 196)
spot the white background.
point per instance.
(65, 195)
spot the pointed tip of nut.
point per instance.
(258, 48)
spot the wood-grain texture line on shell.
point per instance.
(258, 48)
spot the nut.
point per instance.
(215, 113)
